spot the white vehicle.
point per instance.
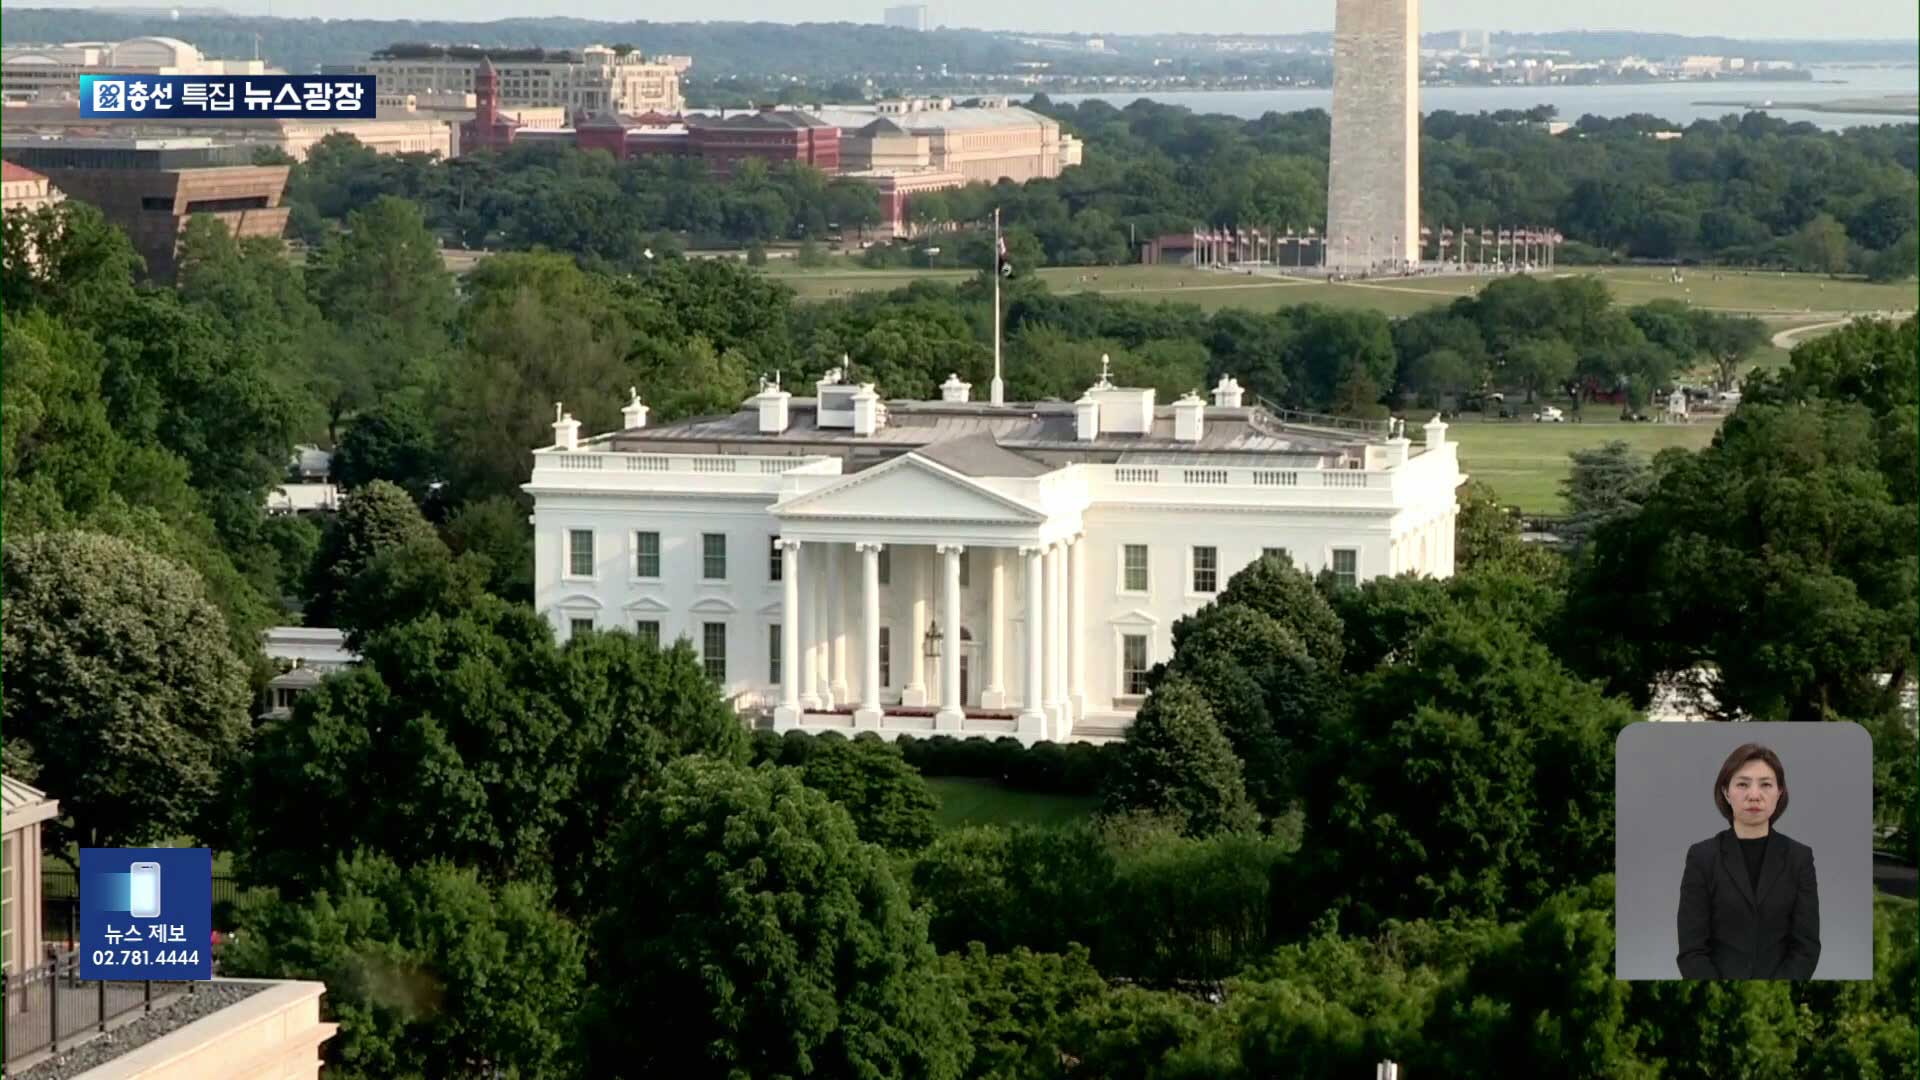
(1549, 414)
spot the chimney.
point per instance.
(1188, 420)
(866, 410)
(1226, 395)
(955, 390)
(1436, 432)
(635, 414)
(566, 430)
(773, 407)
(1086, 414)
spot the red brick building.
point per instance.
(488, 130)
(775, 137)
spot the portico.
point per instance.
(932, 523)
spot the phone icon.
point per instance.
(146, 890)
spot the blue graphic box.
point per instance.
(146, 913)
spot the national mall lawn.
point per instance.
(1523, 461)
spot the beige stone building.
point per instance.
(25, 189)
(989, 143)
(597, 79)
(52, 72)
(907, 148)
(26, 808)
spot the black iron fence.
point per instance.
(60, 904)
(50, 1006)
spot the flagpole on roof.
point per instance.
(999, 392)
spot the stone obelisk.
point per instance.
(1373, 170)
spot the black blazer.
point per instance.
(1731, 930)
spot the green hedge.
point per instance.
(1046, 767)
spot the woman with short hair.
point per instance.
(1749, 900)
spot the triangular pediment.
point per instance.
(649, 604)
(1136, 617)
(909, 488)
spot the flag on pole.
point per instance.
(1000, 255)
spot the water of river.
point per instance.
(1672, 101)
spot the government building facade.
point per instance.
(850, 564)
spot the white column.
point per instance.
(1077, 628)
(869, 714)
(915, 564)
(952, 711)
(1033, 720)
(995, 694)
(1051, 632)
(787, 714)
(817, 579)
(837, 613)
(806, 665)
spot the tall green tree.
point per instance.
(891, 805)
(430, 971)
(759, 936)
(121, 681)
(474, 738)
(1177, 763)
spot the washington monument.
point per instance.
(1373, 173)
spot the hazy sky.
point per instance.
(1743, 18)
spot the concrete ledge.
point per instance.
(275, 1033)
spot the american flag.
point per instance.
(1006, 264)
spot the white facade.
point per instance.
(815, 548)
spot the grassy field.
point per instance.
(981, 802)
(1777, 297)
(1524, 462)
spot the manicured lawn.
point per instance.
(981, 802)
(1524, 462)
(1772, 296)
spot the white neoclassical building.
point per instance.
(954, 566)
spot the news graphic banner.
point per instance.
(261, 97)
(146, 913)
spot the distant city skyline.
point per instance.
(1752, 19)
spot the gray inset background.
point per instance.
(1664, 774)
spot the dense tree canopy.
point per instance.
(120, 680)
(474, 738)
(752, 932)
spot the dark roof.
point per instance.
(883, 126)
(979, 455)
(785, 119)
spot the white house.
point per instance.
(955, 566)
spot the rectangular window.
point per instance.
(1206, 569)
(773, 562)
(1133, 664)
(713, 556)
(886, 656)
(713, 650)
(1282, 554)
(966, 569)
(646, 554)
(577, 627)
(1134, 560)
(773, 654)
(886, 565)
(648, 630)
(580, 552)
(1346, 566)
